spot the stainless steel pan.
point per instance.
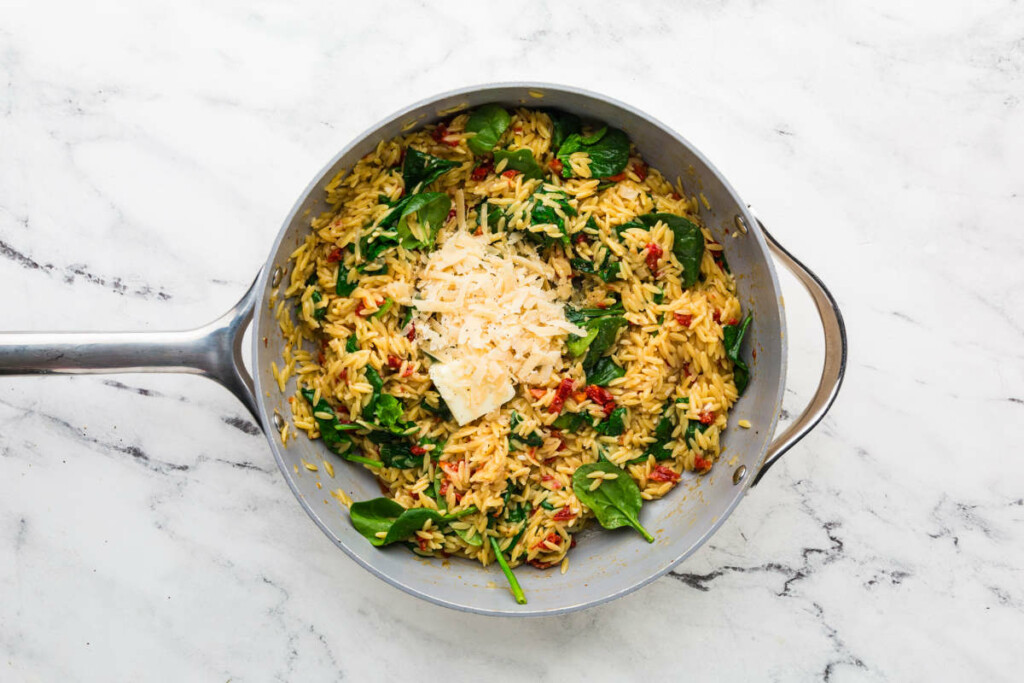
(605, 565)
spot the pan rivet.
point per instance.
(739, 474)
(278, 421)
(740, 223)
(275, 278)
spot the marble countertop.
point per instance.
(149, 155)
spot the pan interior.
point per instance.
(605, 564)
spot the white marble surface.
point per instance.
(144, 530)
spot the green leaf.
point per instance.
(563, 125)
(687, 243)
(352, 343)
(532, 439)
(396, 451)
(442, 410)
(604, 371)
(608, 272)
(517, 591)
(577, 346)
(431, 209)
(608, 150)
(616, 502)
(543, 214)
(420, 169)
(384, 514)
(733, 344)
(489, 122)
(343, 287)
(373, 377)
(520, 160)
(619, 229)
(571, 422)
(692, 429)
(388, 411)
(332, 431)
(384, 308)
(614, 424)
(607, 328)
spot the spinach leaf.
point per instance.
(563, 125)
(616, 502)
(373, 377)
(489, 122)
(604, 371)
(442, 410)
(396, 451)
(661, 449)
(692, 428)
(520, 160)
(687, 243)
(384, 308)
(733, 343)
(332, 431)
(619, 229)
(546, 505)
(343, 287)
(608, 150)
(431, 209)
(321, 312)
(384, 514)
(352, 343)
(532, 439)
(607, 272)
(388, 412)
(544, 214)
(603, 341)
(419, 169)
(517, 591)
(571, 422)
(614, 424)
(407, 318)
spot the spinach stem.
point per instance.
(517, 591)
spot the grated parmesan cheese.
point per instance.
(491, 315)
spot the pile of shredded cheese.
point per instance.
(489, 308)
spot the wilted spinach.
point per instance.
(616, 502)
(733, 343)
(371, 517)
(419, 169)
(517, 590)
(571, 422)
(332, 430)
(343, 287)
(614, 424)
(431, 209)
(515, 441)
(377, 384)
(520, 160)
(687, 242)
(608, 150)
(604, 371)
(352, 343)
(489, 123)
(563, 125)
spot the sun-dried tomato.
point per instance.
(564, 515)
(562, 393)
(411, 334)
(417, 450)
(654, 252)
(662, 473)
(684, 319)
(552, 538)
(707, 417)
(556, 165)
(717, 316)
(539, 565)
(394, 362)
(602, 397)
(701, 465)
(617, 177)
(538, 393)
(548, 479)
(640, 168)
(423, 544)
(335, 255)
(510, 173)
(482, 171)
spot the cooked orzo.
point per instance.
(517, 326)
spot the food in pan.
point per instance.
(518, 327)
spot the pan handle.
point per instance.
(213, 350)
(835, 356)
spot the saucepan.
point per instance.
(604, 565)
